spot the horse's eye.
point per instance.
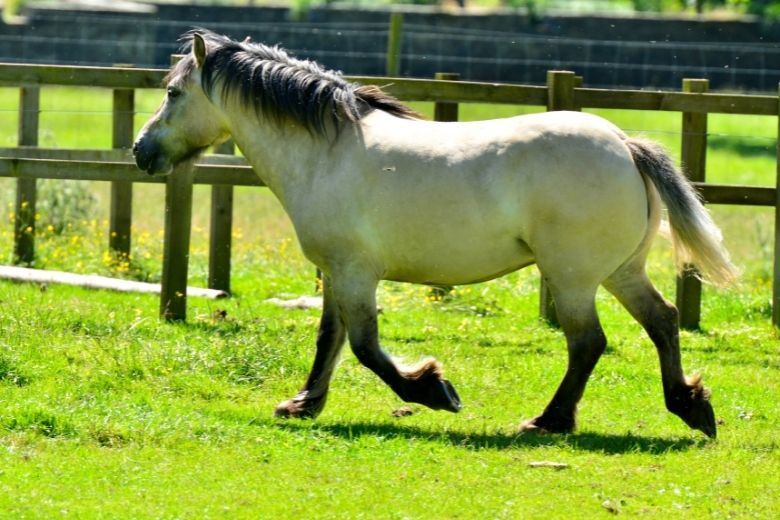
(173, 92)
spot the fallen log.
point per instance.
(91, 281)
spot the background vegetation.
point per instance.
(107, 413)
(768, 8)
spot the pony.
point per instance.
(377, 193)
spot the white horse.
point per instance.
(375, 194)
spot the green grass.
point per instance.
(109, 413)
(105, 412)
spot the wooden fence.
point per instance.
(563, 91)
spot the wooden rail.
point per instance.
(216, 170)
(563, 91)
(12, 74)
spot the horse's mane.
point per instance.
(275, 84)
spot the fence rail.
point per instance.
(563, 91)
(421, 90)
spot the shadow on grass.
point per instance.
(585, 441)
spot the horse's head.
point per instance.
(186, 123)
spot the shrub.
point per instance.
(63, 202)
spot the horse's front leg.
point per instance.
(310, 400)
(355, 292)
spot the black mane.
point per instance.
(280, 86)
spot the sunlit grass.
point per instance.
(114, 405)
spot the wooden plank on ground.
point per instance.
(91, 281)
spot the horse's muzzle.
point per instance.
(148, 158)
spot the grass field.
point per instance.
(105, 412)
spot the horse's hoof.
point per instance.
(300, 407)
(710, 431)
(436, 394)
(692, 404)
(543, 425)
(451, 398)
(529, 426)
(700, 416)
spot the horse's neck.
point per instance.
(283, 158)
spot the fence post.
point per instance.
(393, 59)
(176, 246)
(776, 270)
(443, 110)
(693, 158)
(220, 231)
(24, 216)
(560, 96)
(121, 212)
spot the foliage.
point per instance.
(11, 8)
(64, 203)
(767, 8)
(648, 5)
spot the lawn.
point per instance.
(105, 412)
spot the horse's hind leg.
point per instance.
(586, 342)
(686, 397)
(422, 383)
(332, 333)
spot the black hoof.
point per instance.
(699, 415)
(692, 404)
(448, 398)
(432, 391)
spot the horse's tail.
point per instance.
(695, 237)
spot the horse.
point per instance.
(375, 192)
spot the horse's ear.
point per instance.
(198, 50)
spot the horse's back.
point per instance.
(462, 202)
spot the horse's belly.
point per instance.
(468, 261)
